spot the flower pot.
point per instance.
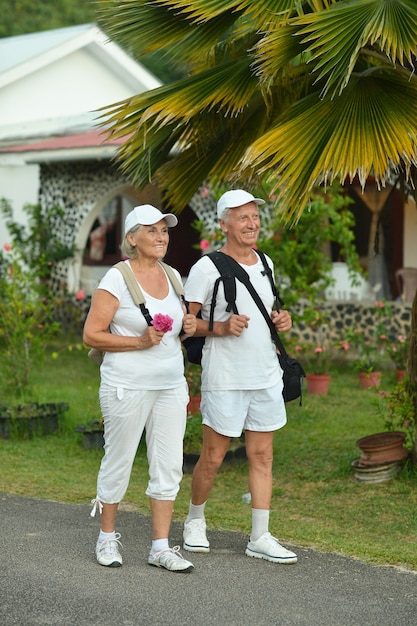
(385, 447)
(318, 383)
(30, 419)
(400, 375)
(193, 406)
(369, 379)
(375, 473)
(93, 440)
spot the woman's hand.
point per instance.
(189, 324)
(281, 320)
(151, 337)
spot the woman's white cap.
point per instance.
(234, 198)
(145, 215)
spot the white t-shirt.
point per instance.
(158, 367)
(245, 362)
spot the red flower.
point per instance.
(162, 322)
(80, 295)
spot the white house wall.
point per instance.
(66, 88)
(18, 186)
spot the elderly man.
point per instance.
(241, 378)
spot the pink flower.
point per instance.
(204, 192)
(319, 349)
(162, 322)
(80, 295)
(345, 345)
(204, 244)
(7, 247)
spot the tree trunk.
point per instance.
(412, 365)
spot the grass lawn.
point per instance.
(316, 500)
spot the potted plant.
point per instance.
(92, 433)
(367, 353)
(317, 359)
(398, 350)
(193, 377)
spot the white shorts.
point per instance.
(233, 411)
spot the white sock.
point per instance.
(159, 544)
(260, 523)
(103, 536)
(196, 511)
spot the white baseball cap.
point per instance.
(234, 198)
(146, 214)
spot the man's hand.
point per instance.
(281, 320)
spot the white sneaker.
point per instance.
(267, 547)
(171, 559)
(107, 552)
(194, 535)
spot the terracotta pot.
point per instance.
(318, 383)
(400, 375)
(369, 379)
(193, 406)
(385, 447)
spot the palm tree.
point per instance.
(299, 93)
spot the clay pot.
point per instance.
(385, 447)
(369, 379)
(318, 383)
(400, 375)
(193, 406)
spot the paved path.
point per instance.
(49, 576)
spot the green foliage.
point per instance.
(301, 256)
(27, 323)
(27, 306)
(18, 18)
(38, 243)
(398, 409)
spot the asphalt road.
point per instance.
(49, 576)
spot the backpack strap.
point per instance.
(134, 289)
(278, 302)
(178, 286)
(228, 278)
(235, 269)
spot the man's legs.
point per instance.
(213, 451)
(259, 450)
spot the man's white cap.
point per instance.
(146, 214)
(234, 198)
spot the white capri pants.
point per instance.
(126, 413)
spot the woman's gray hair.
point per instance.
(131, 252)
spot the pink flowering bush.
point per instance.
(315, 358)
(398, 351)
(162, 322)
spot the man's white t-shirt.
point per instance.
(158, 367)
(245, 362)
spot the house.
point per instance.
(52, 86)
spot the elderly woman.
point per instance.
(142, 385)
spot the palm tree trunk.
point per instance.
(412, 366)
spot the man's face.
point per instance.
(242, 226)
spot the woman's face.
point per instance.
(152, 241)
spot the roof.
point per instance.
(66, 75)
(88, 145)
(17, 50)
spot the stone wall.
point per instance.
(356, 315)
